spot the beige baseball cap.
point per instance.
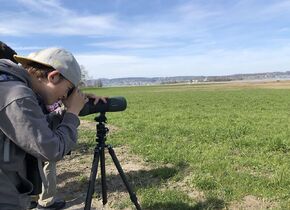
(57, 58)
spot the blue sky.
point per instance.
(148, 38)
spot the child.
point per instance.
(45, 77)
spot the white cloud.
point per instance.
(28, 48)
(276, 8)
(49, 17)
(51, 7)
(52, 18)
(81, 25)
(184, 39)
(195, 12)
(136, 44)
(216, 62)
(7, 30)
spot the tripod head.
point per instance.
(101, 129)
(101, 118)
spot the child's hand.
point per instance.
(97, 98)
(76, 101)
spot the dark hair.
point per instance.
(6, 52)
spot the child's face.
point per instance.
(57, 89)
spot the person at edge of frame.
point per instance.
(45, 77)
(6, 52)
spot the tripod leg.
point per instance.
(103, 176)
(92, 178)
(133, 197)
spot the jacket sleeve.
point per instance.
(54, 118)
(27, 126)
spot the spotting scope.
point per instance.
(114, 104)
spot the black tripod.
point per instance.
(99, 155)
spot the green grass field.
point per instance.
(226, 143)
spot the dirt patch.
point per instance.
(92, 126)
(252, 203)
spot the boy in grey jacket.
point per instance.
(44, 78)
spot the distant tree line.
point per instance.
(85, 77)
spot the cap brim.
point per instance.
(27, 61)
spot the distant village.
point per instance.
(143, 81)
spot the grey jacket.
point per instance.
(25, 129)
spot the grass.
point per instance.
(227, 142)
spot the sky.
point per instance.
(154, 38)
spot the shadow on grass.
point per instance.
(73, 192)
(140, 179)
(169, 206)
(143, 178)
(137, 179)
(210, 204)
(67, 174)
(84, 148)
